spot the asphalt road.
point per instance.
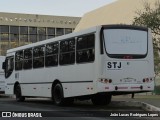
(80, 110)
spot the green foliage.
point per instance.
(150, 17)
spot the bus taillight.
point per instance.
(105, 80)
(147, 79)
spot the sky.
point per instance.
(75, 8)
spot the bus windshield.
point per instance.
(125, 42)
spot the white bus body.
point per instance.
(2, 78)
(95, 63)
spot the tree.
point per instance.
(150, 17)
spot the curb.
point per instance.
(148, 107)
(142, 105)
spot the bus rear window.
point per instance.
(122, 42)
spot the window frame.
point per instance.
(29, 59)
(67, 51)
(9, 72)
(20, 61)
(35, 58)
(52, 54)
(86, 48)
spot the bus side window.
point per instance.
(19, 60)
(85, 48)
(67, 52)
(38, 56)
(51, 54)
(27, 63)
(9, 66)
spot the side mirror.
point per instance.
(4, 65)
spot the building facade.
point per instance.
(21, 29)
(118, 12)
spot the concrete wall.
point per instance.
(119, 12)
(38, 20)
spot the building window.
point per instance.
(19, 60)
(33, 38)
(23, 35)
(68, 30)
(41, 37)
(32, 30)
(51, 54)
(4, 43)
(27, 64)
(23, 30)
(14, 29)
(51, 31)
(38, 56)
(67, 52)
(4, 37)
(41, 33)
(51, 36)
(23, 40)
(14, 40)
(59, 31)
(4, 29)
(85, 48)
(14, 37)
(41, 30)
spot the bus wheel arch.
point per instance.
(18, 92)
(57, 92)
(56, 81)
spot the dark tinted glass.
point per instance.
(85, 48)
(4, 29)
(19, 60)
(52, 48)
(14, 29)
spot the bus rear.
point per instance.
(128, 65)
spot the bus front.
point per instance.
(127, 60)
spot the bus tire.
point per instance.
(18, 93)
(100, 99)
(58, 96)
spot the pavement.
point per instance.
(146, 102)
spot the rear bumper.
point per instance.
(134, 87)
(147, 87)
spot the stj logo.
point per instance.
(6, 114)
(114, 65)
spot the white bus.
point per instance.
(2, 78)
(91, 64)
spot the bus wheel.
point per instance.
(100, 99)
(18, 94)
(58, 97)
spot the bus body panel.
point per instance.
(128, 74)
(81, 79)
(2, 78)
(38, 82)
